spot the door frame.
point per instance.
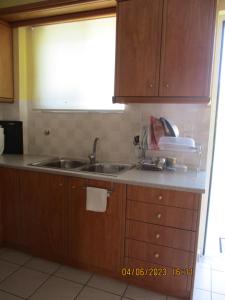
(219, 43)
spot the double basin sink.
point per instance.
(82, 166)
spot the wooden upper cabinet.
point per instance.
(138, 42)
(6, 63)
(187, 48)
(164, 51)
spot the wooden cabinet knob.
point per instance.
(150, 85)
(167, 85)
(73, 187)
(160, 197)
(159, 216)
(157, 236)
(156, 255)
(60, 184)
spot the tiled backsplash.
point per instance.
(72, 134)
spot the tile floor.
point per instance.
(25, 277)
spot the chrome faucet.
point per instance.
(92, 156)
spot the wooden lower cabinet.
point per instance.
(95, 239)
(15, 210)
(46, 216)
(142, 237)
(157, 277)
(161, 239)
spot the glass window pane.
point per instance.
(73, 65)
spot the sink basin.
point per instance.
(60, 163)
(106, 168)
(79, 165)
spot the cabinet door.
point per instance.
(95, 239)
(187, 48)
(6, 63)
(138, 47)
(15, 208)
(48, 211)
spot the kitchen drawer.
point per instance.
(162, 215)
(164, 197)
(160, 235)
(165, 256)
(168, 284)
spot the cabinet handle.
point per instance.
(167, 85)
(159, 216)
(160, 197)
(73, 187)
(60, 184)
(157, 236)
(156, 255)
(150, 85)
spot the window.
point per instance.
(72, 65)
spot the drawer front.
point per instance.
(162, 215)
(164, 197)
(164, 256)
(160, 235)
(168, 284)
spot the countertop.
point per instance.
(190, 181)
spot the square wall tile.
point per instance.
(57, 289)
(23, 282)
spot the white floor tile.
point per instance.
(57, 289)
(136, 293)
(203, 278)
(6, 268)
(218, 282)
(2, 250)
(23, 282)
(218, 263)
(107, 284)
(75, 275)
(201, 295)
(5, 296)
(218, 297)
(89, 293)
(42, 265)
(14, 256)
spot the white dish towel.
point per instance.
(96, 199)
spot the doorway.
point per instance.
(215, 235)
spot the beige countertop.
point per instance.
(190, 181)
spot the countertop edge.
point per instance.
(117, 179)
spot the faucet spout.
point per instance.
(92, 156)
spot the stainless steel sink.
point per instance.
(82, 166)
(106, 168)
(60, 163)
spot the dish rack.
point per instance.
(167, 156)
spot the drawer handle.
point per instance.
(156, 255)
(73, 187)
(157, 236)
(60, 184)
(160, 197)
(159, 216)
